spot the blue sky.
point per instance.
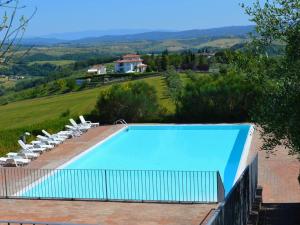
(59, 16)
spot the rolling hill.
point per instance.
(233, 31)
(236, 31)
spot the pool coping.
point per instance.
(91, 148)
(245, 154)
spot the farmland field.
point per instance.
(54, 62)
(222, 43)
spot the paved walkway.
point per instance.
(277, 174)
(73, 147)
(281, 190)
(104, 213)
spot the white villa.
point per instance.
(129, 64)
(97, 69)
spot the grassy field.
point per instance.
(54, 62)
(46, 113)
(222, 43)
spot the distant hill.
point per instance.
(234, 31)
(71, 36)
(42, 41)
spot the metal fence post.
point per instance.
(220, 188)
(5, 183)
(105, 177)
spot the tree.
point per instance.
(165, 60)
(278, 111)
(2, 91)
(134, 102)
(277, 20)
(220, 98)
(174, 84)
(12, 29)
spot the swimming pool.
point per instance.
(153, 162)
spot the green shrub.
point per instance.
(174, 84)
(65, 113)
(222, 98)
(134, 102)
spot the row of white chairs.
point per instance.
(45, 143)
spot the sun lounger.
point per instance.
(75, 130)
(82, 128)
(17, 161)
(41, 144)
(66, 133)
(19, 157)
(25, 155)
(33, 149)
(87, 123)
(48, 140)
(55, 137)
(3, 161)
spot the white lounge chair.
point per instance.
(48, 140)
(55, 137)
(3, 161)
(14, 161)
(31, 148)
(17, 161)
(41, 144)
(25, 155)
(75, 130)
(67, 133)
(87, 123)
(82, 128)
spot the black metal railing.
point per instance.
(112, 185)
(236, 207)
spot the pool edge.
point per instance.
(246, 150)
(91, 148)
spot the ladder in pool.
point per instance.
(121, 121)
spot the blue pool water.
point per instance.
(152, 163)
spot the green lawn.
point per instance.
(222, 43)
(54, 62)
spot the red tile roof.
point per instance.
(128, 60)
(98, 66)
(131, 56)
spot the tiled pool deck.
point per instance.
(277, 175)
